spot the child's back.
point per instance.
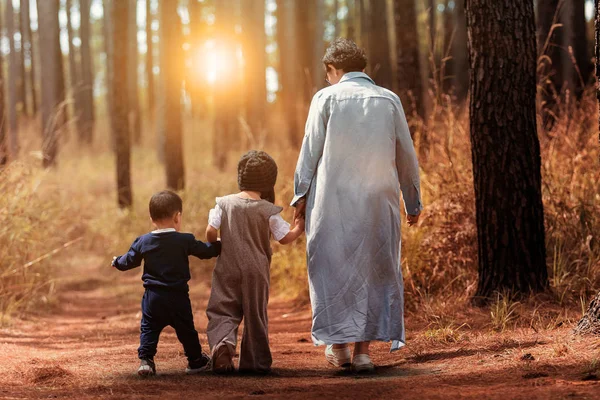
(240, 286)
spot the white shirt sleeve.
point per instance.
(279, 227)
(214, 217)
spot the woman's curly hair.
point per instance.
(344, 54)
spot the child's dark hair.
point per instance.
(164, 205)
(257, 171)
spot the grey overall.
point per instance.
(240, 284)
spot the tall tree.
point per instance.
(226, 130)
(172, 71)
(4, 152)
(119, 99)
(27, 47)
(87, 73)
(351, 19)
(290, 72)
(134, 101)
(379, 44)
(194, 83)
(456, 69)
(255, 56)
(150, 54)
(13, 78)
(408, 62)
(505, 147)
(562, 39)
(21, 88)
(52, 78)
(74, 74)
(107, 28)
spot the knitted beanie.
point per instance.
(257, 172)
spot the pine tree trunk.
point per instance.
(74, 72)
(27, 43)
(255, 41)
(21, 88)
(351, 20)
(119, 107)
(150, 56)
(134, 102)
(577, 58)
(551, 70)
(305, 52)
(172, 70)
(4, 152)
(317, 26)
(13, 78)
(194, 82)
(52, 78)
(408, 62)
(87, 73)
(289, 69)
(336, 21)
(505, 148)
(107, 28)
(379, 45)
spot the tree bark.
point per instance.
(150, 56)
(457, 68)
(408, 62)
(578, 58)
(194, 83)
(351, 19)
(21, 88)
(336, 21)
(74, 73)
(120, 103)
(505, 148)
(13, 78)
(52, 78)
(27, 43)
(4, 151)
(290, 70)
(107, 27)
(134, 102)
(255, 41)
(87, 73)
(172, 71)
(379, 45)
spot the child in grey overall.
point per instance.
(240, 283)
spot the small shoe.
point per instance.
(338, 357)
(222, 358)
(147, 367)
(362, 364)
(200, 365)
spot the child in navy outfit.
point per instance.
(166, 274)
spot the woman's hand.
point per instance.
(412, 219)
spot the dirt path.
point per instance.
(86, 348)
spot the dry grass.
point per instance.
(42, 210)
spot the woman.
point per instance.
(356, 157)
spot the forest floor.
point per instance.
(85, 347)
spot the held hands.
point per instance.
(300, 211)
(412, 219)
(112, 264)
(299, 223)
